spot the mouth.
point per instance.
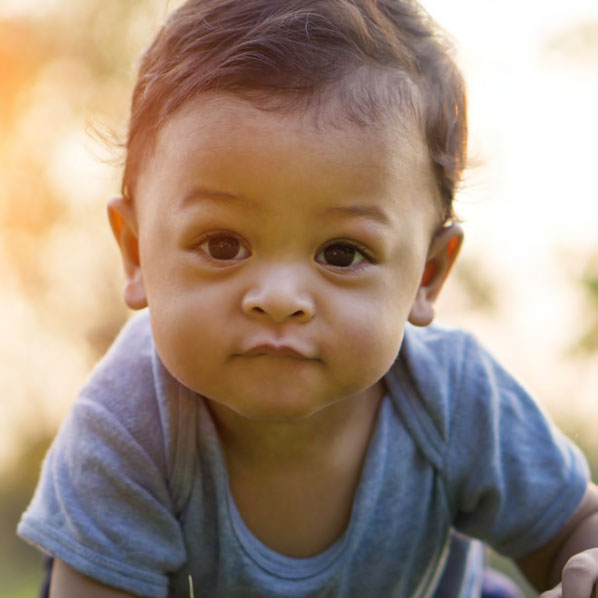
(276, 351)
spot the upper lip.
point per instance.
(275, 350)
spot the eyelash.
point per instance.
(357, 247)
(365, 254)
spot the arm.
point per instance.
(69, 583)
(572, 555)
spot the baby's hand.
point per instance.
(579, 578)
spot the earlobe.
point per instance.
(123, 222)
(443, 253)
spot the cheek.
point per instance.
(188, 334)
(368, 336)
(376, 313)
(192, 363)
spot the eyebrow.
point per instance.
(203, 193)
(369, 212)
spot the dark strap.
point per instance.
(45, 588)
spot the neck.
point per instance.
(329, 432)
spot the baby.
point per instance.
(281, 420)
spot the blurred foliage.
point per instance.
(58, 71)
(587, 344)
(575, 45)
(478, 288)
(20, 563)
(20, 61)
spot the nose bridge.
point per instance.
(280, 291)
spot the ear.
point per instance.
(123, 221)
(443, 252)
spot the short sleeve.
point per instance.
(102, 504)
(514, 479)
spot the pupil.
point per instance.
(339, 255)
(223, 248)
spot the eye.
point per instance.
(340, 255)
(224, 247)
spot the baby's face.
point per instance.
(280, 260)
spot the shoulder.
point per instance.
(128, 363)
(105, 487)
(438, 350)
(426, 375)
(122, 409)
(452, 393)
(511, 477)
(450, 370)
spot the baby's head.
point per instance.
(290, 173)
(371, 57)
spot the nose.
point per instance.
(277, 294)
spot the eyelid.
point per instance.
(365, 252)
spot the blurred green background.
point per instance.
(527, 282)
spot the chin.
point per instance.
(276, 410)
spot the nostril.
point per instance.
(278, 307)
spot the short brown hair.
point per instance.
(277, 53)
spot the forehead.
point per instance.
(218, 138)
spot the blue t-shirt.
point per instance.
(134, 490)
